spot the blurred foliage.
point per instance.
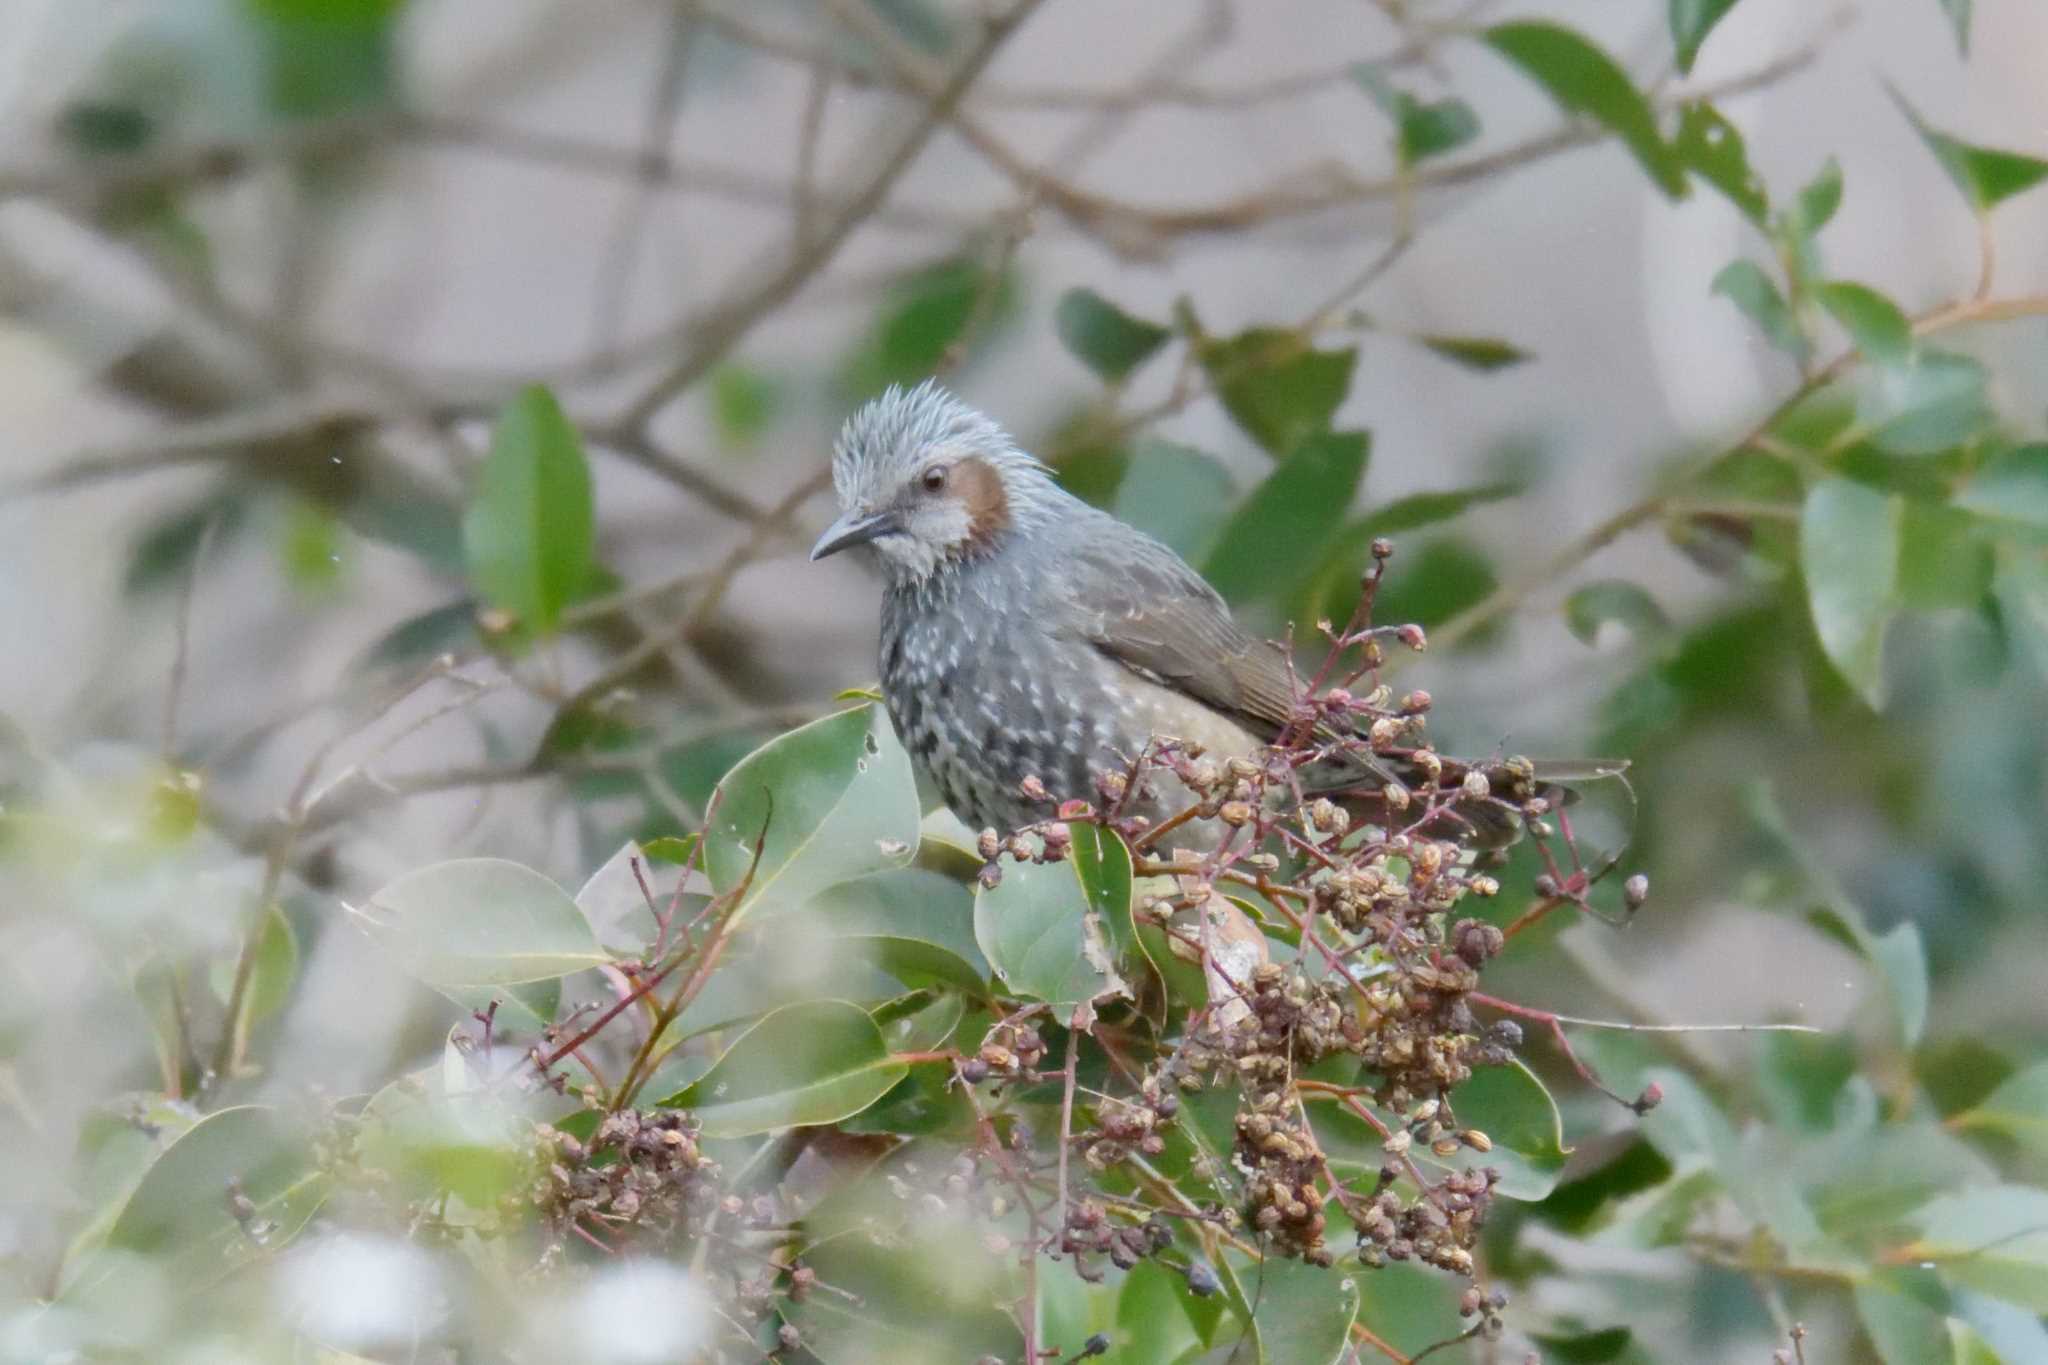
(755, 1045)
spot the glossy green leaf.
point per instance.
(1691, 22)
(1176, 494)
(1476, 353)
(1305, 1312)
(480, 922)
(179, 1212)
(1615, 600)
(1992, 1238)
(1849, 554)
(1103, 337)
(1276, 386)
(1987, 176)
(826, 802)
(802, 1065)
(1515, 1111)
(1277, 536)
(1926, 406)
(1711, 147)
(1874, 323)
(1046, 928)
(2017, 1109)
(1585, 80)
(2012, 486)
(1744, 284)
(530, 528)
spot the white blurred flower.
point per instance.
(354, 1291)
(636, 1313)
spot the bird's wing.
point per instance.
(1141, 605)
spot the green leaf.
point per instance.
(1900, 955)
(1993, 1239)
(828, 801)
(1423, 128)
(2013, 486)
(2019, 584)
(1691, 22)
(1745, 285)
(480, 922)
(435, 1135)
(1276, 386)
(1477, 353)
(1103, 337)
(529, 530)
(1418, 510)
(1277, 535)
(1969, 1345)
(1047, 928)
(1515, 1111)
(1585, 80)
(276, 968)
(1434, 583)
(1820, 198)
(1176, 494)
(805, 1064)
(743, 403)
(1985, 175)
(1849, 554)
(1152, 1324)
(1712, 148)
(916, 925)
(2018, 1109)
(1927, 406)
(179, 1214)
(1614, 600)
(1880, 331)
(923, 318)
(1905, 1328)
(1304, 1312)
(677, 850)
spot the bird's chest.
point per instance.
(984, 699)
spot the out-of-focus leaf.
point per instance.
(163, 554)
(1958, 12)
(828, 801)
(1901, 1321)
(923, 318)
(1985, 175)
(1304, 1312)
(1046, 928)
(1277, 536)
(677, 850)
(2019, 584)
(1944, 558)
(1849, 554)
(1626, 604)
(179, 1213)
(276, 968)
(425, 1133)
(1584, 1348)
(408, 645)
(1872, 321)
(1712, 148)
(1900, 955)
(1476, 353)
(1820, 198)
(1691, 22)
(1744, 284)
(1434, 583)
(613, 903)
(1993, 1239)
(1152, 1325)
(1418, 510)
(916, 925)
(480, 922)
(1585, 80)
(1179, 495)
(1103, 337)
(1968, 1344)
(1276, 386)
(2018, 1109)
(805, 1064)
(744, 402)
(530, 527)
(1932, 403)
(2013, 486)
(1422, 128)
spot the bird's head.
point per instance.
(929, 483)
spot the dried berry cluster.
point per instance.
(643, 1169)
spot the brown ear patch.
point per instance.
(980, 490)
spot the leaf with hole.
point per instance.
(802, 1065)
(1711, 147)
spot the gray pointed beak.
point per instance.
(854, 529)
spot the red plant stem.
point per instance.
(1551, 1022)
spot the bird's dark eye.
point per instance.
(934, 478)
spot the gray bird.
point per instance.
(1024, 632)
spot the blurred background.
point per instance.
(270, 270)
